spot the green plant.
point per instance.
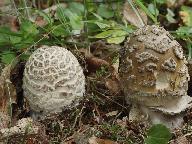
(158, 134)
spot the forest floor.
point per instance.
(94, 31)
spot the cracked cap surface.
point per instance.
(53, 79)
(152, 67)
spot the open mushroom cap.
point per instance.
(152, 68)
(53, 80)
(175, 107)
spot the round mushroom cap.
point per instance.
(53, 80)
(152, 67)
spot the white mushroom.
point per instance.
(154, 76)
(53, 80)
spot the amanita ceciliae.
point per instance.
(53, 80)
(154, 77)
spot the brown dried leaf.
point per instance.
(1, 3)
(180, 140)
(113, 85)
(40, 21)
(25, 129)
(4, 120)
(94, 63)
(7, 90)
(130, 16)
(104, 50)
(175, 3)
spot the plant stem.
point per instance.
(136, 12)
(140, 4)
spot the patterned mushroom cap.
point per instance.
(53, 79)
(152, 67)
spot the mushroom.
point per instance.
(53, 80)
(154, 77)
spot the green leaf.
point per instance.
(60, 30)
(7, 57)
(75, 20)
(105, 12)
(7, 31)
(104, 34)
(77, 8)
(116, 40)
(144, 8)
(60, 14)
(153, 10)
(24, 57)
(102, 25)
(4, 39)
(184, 31)
(15, 39)
(158, 134)
(186, 13)
(111, 33)
(97, 16)
(45, 16)
(170, 14)
(161, 1)
(28, 28)
(115, 36)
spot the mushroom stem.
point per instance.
(171, 115)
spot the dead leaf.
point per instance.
(7, 89)
(7, 95)
(95, 140)
(130, 16)
(94, 63)
(103, 50)
(113, 85)
(1, 3)
(180, 140)
(40, 21)
(184, 16)
(26, 129)
(175, 3)
(4, 120)
(113, 113)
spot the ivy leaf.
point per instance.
(105, 12)
(7, 57)
(158, 134)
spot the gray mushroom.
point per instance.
(53, 80)
(154, 77)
